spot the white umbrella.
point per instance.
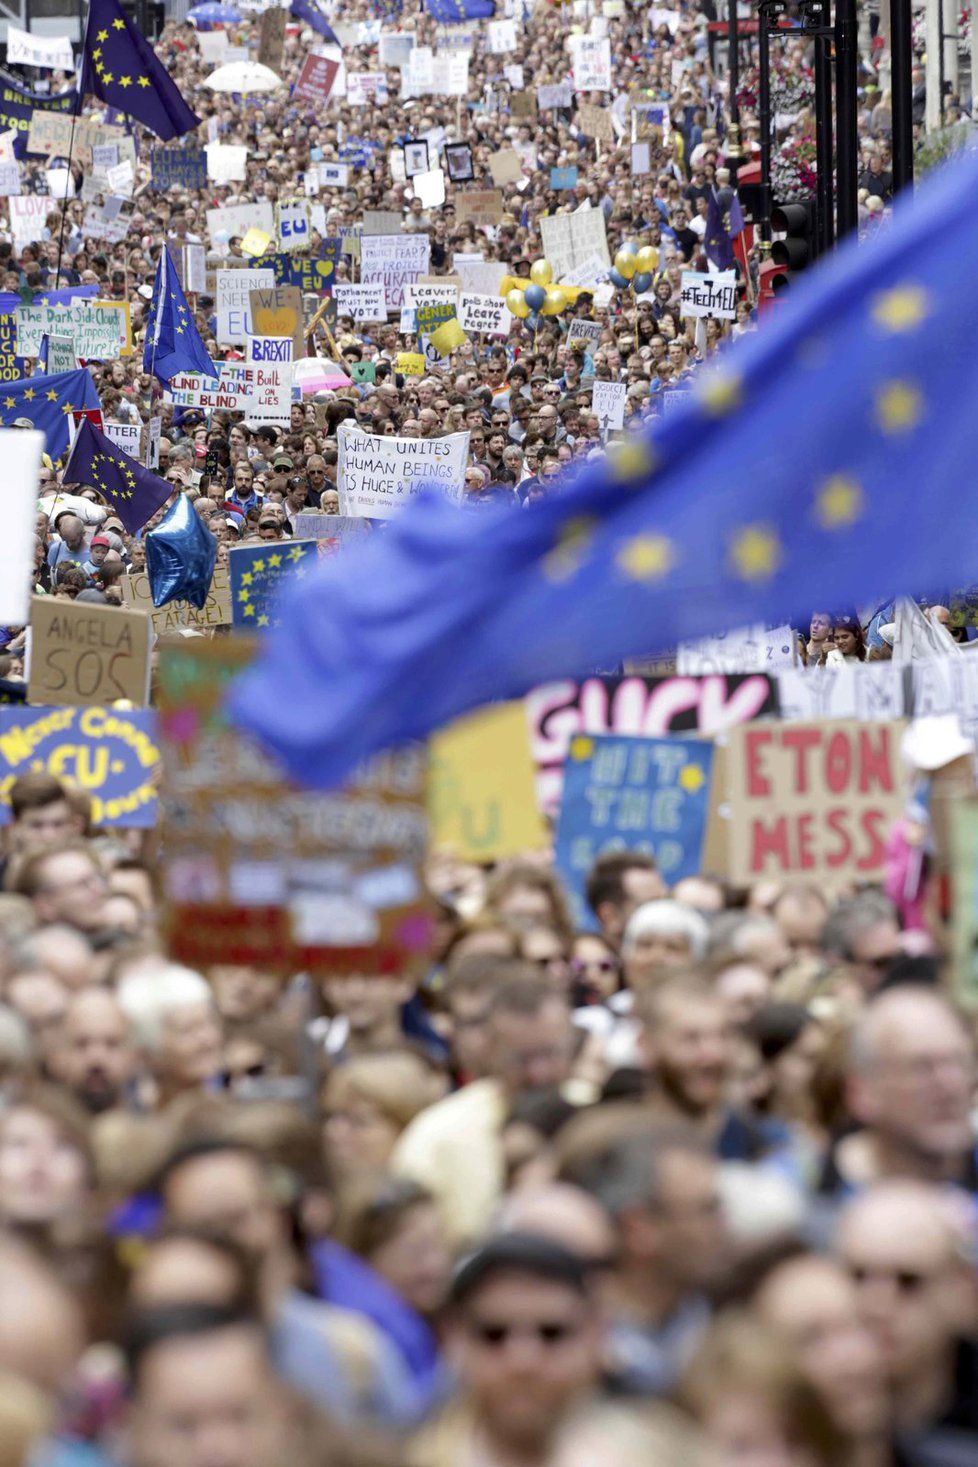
(243, 76)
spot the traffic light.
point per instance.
(799, 224)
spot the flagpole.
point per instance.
(79, 99)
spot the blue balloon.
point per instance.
(641, 282)
(180, 556)
(534, 295)
(618, 280)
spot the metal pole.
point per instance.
(901, 84)
(764, 119)
(823, 143)
(942, 67)
(733, 59)
(847, 178)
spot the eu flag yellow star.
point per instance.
(718, 393)
(645, 557)
(898, 407)
(902, 308)
(52, 396)
(839, 502)
(573, 543)
(755, 553)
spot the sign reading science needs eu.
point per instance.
(110, 755)
(377, 476)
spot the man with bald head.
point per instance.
(900, 1242)
(96, 1056)
(910, 1088)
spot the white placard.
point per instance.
(105, 156)
(292, 224)
(366, 88)
(226, 162)
(213, 47)
(9, 180)
(702, 294)
(557, 94)
(235, 220)
(270, 398)
(591, 63)
(362, 302)
(394, 261)
(429, 188)
(21, 452)
(61, 355)
(51, 53)
(125, 436)
(334, 175)
(871, 691)
(265, 351)
(484, 315)
(378, 476)
(430, 293)
(153, 443)
(501, 35)
(233, 312)
(121, 178)
(572, 240)
(194, 268)
(608, 404)
(229, 392)
(748, 649)
(27, 216)
(456, 74)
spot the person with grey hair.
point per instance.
(175, 1021)
(864, 933)
(910, 1086)
(662, 934)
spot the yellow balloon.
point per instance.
(646, 260)
(541, 272)
(625, 263)
(516, 302)
(555, 303)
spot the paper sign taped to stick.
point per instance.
(175, 615)
(378, 475)
(278, 312)
(708, 295)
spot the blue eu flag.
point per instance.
(120, 67)
(310, 13)
(172, 342)
(822, 461)
(721, 230)
(450, 12)
(48, 402)
(131, 491)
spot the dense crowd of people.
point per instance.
(695, 1184)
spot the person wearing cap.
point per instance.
(283, 463)
(98, 549)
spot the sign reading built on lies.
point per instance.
(87, 654)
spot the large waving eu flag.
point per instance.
(120, 67)
(826, 459)
(311, 13)
(48, 403)
(172, 342)
(130, 490)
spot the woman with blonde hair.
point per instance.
(369, 1101)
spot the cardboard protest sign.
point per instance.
(410, 363)
(315, 83)
(505, 166)
(271, 44)
(234, 287)
(484, 314)
(569, 240)
(870, 691)
(584, 334)
(746, 649)
(608, 404)
(49, 135)
(479, 206)
(702, 294)
(814, 800)
(124, 435)
(175, 615)
(553, 95)
(481, 800)
(362, 302)
(636, 794)
(380, 221)
(650, 706)
(27, 215)
(257, 871)
(61, 355)
(365, 87)
(394, 261)
(87, 654)
(501, 35)
(269, 397)
(269, 350)
(328, 530)
(377, 475)
(230, 392)
(177, 168)
(109, 754)
(277, 311)
(258, 573)
(596, 122)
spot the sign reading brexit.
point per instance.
(111, 756)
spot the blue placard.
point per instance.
(257, 576)
(563, 178)
(316, 274)
(110, 755)
(632, 794)
(17, 106)
(177, 168)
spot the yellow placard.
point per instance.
(124, 314)
(255, 242)
(481, 802)
(447, 337)
(409, 363)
